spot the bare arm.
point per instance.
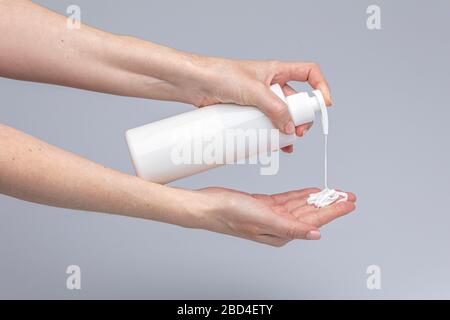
(35, 171)
(36, 45)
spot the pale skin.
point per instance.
(36, 45)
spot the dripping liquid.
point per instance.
(326, 161)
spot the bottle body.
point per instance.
(198, 140)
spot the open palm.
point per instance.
(272, 219)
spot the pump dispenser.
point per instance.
(303, 108)
(155, 148)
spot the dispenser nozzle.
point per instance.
(323, 110)
(303, 107)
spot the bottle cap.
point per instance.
(319, 104)
(303, 108)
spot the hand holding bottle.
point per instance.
(123, 65)
(245, 82)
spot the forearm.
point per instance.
(36, 171)
(36, 45)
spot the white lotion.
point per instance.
(326, 196)
(151, 146)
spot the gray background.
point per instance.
(388, 144)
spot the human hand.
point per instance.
(270, 219)
(124, 65)
(248, 82)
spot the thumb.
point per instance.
(275, 108)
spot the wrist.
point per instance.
(163, 73)
(195, 77)
(197, 209)
(186, 208)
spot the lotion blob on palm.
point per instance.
(326, 197)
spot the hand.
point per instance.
(247, 83)
(124, 65)
(271, 219)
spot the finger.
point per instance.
(351, 196)
(300, 207)
(301, 130)
(322, 216)
(293, 205)
(281, 198)
(288, 90)
(288, 149)
(310, 72)
(275, 108)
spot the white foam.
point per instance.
(326, 197)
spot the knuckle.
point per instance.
(314, 65)
(319, 222)
(261, 88)
(279, 111)
(275, 64)
(292, 232)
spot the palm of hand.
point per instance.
(274, 219)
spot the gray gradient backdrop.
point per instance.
(388, 144)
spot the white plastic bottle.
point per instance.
(155, 147)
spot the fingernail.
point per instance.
(313, 235)
(289, 128)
